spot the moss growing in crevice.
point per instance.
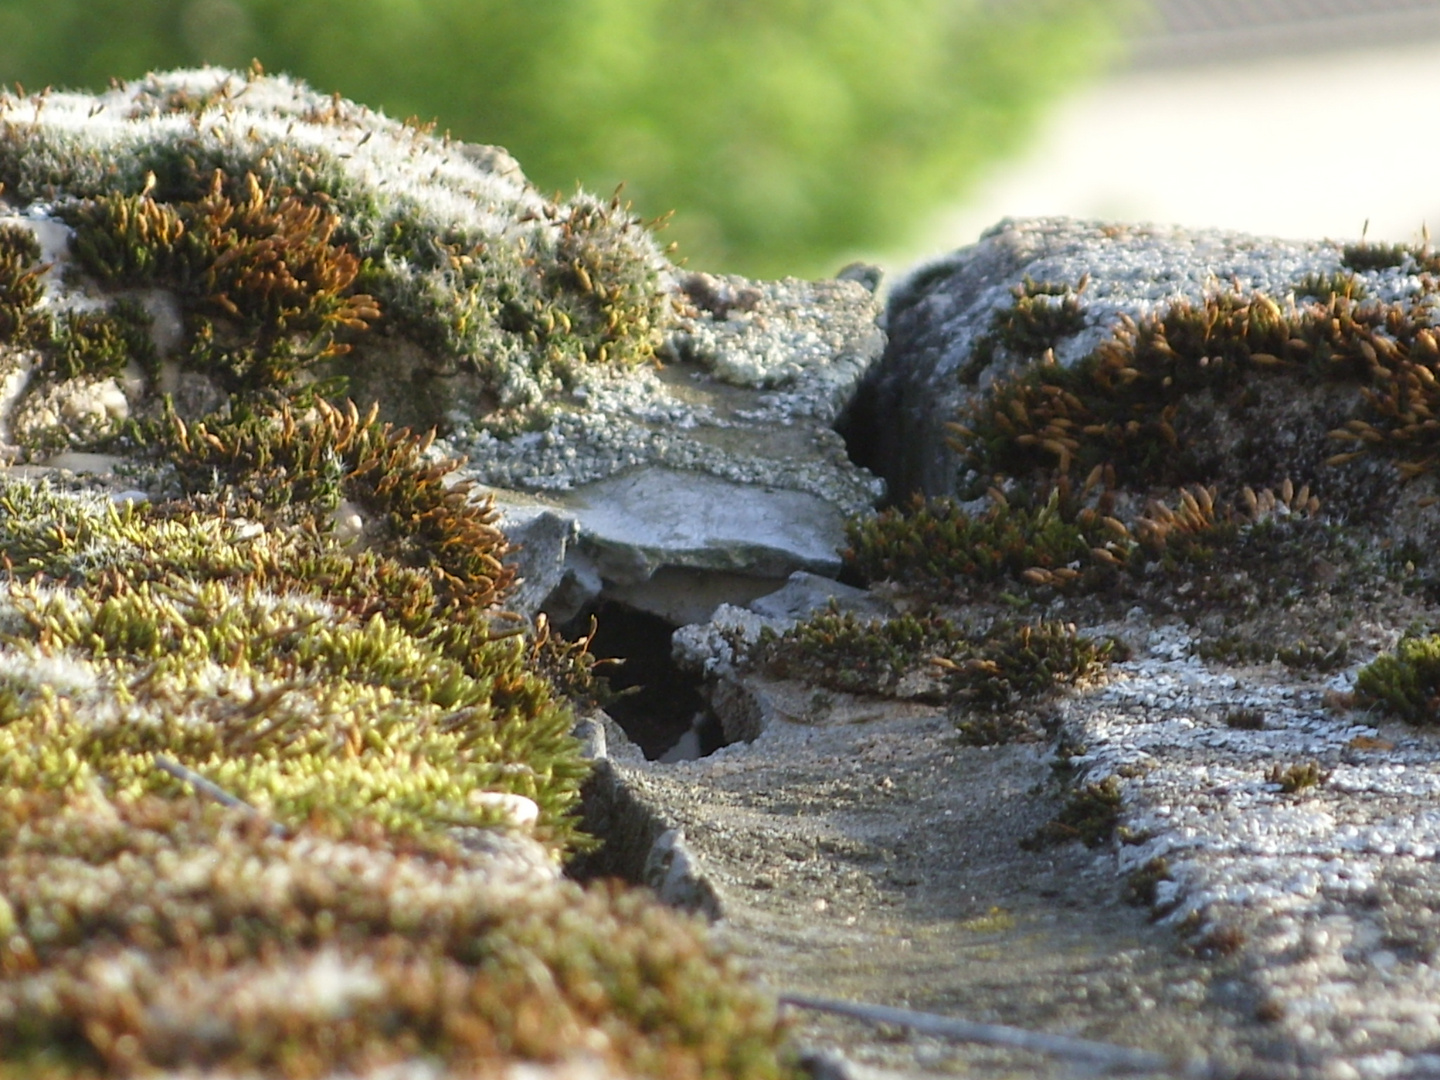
(1026, 661)
(102, 343)
(929, 657)
(1301, 654)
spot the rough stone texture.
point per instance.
(487, 288)
(724, 461)
(860, 846)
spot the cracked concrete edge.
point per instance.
(641, 844)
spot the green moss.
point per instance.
(101, 343)
(20, 287)
(840, 651)
(1142, 886)
(1245, 719)
(844, 652)
(1090, 815)
(313, 623)
(1024, 662)
(198, 644)
(72, 343)
(1405, 682)
(172, 935)
(279, 463)
(261, 259)
(1068, 543)
(1297, 777)
(1368, 256)
(1302, 654)
(249, 650)
(934, 545)
(270, 287)
(1324, 286)
(1042, 314)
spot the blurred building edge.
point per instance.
(1201, 32)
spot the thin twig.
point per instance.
(214, 791)
(1112, 1058)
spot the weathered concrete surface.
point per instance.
(723, 462)
(676, 421)
(860, 852)
(1295, 933)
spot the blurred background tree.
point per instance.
(785, 135)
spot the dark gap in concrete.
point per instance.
(659, 705)
(859, 425)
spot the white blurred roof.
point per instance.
(1293, 118)
(1223, 31)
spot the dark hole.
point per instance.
(859, 425)
(658, 704)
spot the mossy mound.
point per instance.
(283, 235)
(145, 934)
(398, 782)
(1406, 681)
(1256, 451)
(286, 788)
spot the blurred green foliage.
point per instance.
(784, 134)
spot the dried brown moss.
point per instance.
(1136, 402)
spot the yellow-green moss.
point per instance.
(307, 626)
(20, 286)
(365, 701)
(1297, 777)
(143, 933)
(1405, 682)
(192, 640)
